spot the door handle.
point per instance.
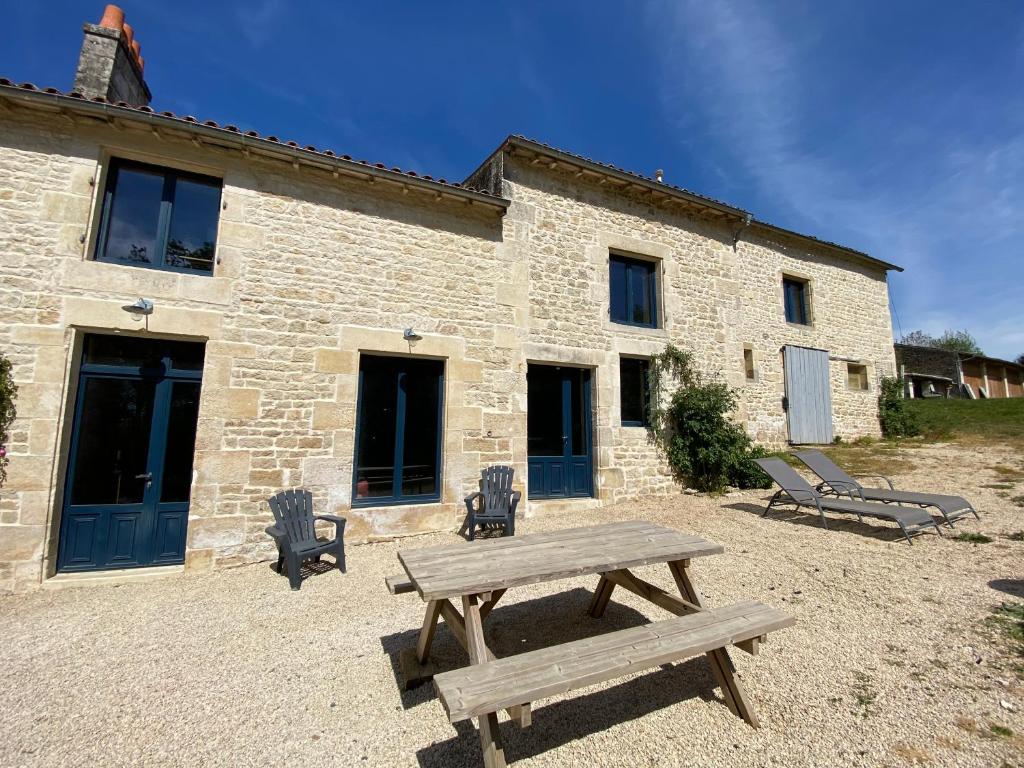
(147, 476)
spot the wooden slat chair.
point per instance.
(494, 503)
(294, 532)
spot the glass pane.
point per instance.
(544, 411)
(181, 442)
(113, 441)
(135, 352)
(640, 301)
(421, 386)
(193, 224)
(633, 389)
(617, 290)
(378, 400)
(578, 410)
(134, 217)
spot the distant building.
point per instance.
(932, 372)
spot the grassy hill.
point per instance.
(985, 419)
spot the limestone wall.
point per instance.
(311, 270)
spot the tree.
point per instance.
(1020, 359)
(954, 341)
(958, 341)
(918, 339)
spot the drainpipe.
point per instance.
(736, 235)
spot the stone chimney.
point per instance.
(110, 65)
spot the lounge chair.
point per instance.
(835, 480)
(796, 490)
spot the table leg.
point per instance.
(428, 630)
(602, 595)
(721, 665)
(490, 735)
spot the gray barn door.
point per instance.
(808, 396)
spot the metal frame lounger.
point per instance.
(835, 480)
(796, 490)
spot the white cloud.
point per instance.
(736, 79)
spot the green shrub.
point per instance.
(704, 447)
(896, 420)
(7, 392)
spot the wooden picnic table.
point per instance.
(479, 573)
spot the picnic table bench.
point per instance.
(479, 573)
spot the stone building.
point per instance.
(200, 316)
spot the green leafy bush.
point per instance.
(704, 447)
(7, 392)
(893, 415)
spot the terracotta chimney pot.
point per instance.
(129, 33)
(113, 17)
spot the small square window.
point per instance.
(794, 296)
(159, 218)
(857, 376)
(634, 390)
(633, 286)
(748, 364)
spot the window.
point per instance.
(857, 376)
(748, 364)
(794, 294)
(398, 431)
(635, 390)
(634, 291)
(159, 218)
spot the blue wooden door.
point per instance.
(808, 395)
(559, 432)
(130, 464)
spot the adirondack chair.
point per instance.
(494, 503)
(295, 534)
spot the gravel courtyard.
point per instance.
(894, 659)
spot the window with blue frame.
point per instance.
(159, 218)
(633, 285)
(634, 391)
(794, 296)
(398, 431)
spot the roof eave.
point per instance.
(842, 249)
(221, 136)
(633, 179)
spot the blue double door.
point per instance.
(129, 476)
(559, 432)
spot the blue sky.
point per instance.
(896, 128)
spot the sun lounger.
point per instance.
(796, 490)
(835, 480)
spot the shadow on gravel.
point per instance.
(308, 568)
(837, 524)
(576, 718)
(510, 629)
(1013, 587)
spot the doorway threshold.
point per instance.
(113, 577)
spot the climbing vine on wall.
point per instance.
(689, 420)
(7, 392)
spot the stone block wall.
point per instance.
(312, 270)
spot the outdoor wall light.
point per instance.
(411, 335)
(140, 307)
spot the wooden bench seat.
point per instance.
(399, 584)
(482, 689)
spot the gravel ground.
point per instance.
(891, 662)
